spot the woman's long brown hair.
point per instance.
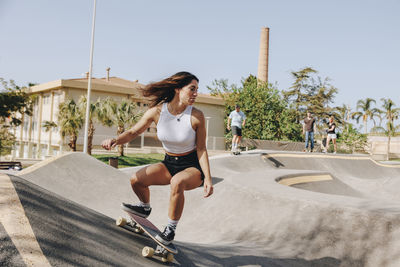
(164, 91)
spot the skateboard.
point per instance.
(141, 225)
(235, 153)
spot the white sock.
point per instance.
(172, 223)
(144, 205)
(233, 145)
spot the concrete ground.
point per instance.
(269, 209)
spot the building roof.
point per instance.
(115, 85)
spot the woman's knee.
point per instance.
(136, 181)
(177, 185)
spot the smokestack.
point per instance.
(87, 75)
(263, 55)
(108, 74)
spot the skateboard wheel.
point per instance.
(121, 221)
(147, 252)
(169, 258)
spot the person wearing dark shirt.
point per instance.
(308, 131)
(331, 135)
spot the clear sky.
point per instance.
(355, 43)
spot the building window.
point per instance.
(46, 99)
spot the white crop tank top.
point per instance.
(175, 132)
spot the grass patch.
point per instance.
(132, 160)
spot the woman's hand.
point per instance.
(108, 144)
(208, 188)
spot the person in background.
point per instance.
(331, 135)
(236, 121)
(308, 130)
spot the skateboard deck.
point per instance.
(140, 225)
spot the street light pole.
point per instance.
(85, 142)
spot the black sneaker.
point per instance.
(167, 236)
(136, 209)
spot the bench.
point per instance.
(6, 165)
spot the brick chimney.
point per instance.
(108, 74)
(263, 55)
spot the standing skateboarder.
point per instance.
(181, 129)
(236, 121)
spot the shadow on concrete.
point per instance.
(275, 162)
(216, 180)
(229, 256)
(8, 255)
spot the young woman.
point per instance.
(181, 129)
(331, 135)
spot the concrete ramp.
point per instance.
(319, 182)
(370, 178)
(84, 180)
(40, 228)
(253, 218)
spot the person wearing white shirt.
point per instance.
(236, 121)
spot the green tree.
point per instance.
(14, 101)
(296, 94)
(353, 140)
(123, 114)
(319, 95)
(48, 126)
(343, 116)
(311, 93)
(268, 115)
(365, 111)
(391, 114)
(70, 121)
(7, 139)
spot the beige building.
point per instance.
(34, 142)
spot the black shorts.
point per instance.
(236, 131)
(177, 164)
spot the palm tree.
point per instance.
(48, 126)
(94, 111)
(391, 113)
(366, 112)
(343, 115)
(122, 114)
(70, 121)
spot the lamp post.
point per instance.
(85, 142)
